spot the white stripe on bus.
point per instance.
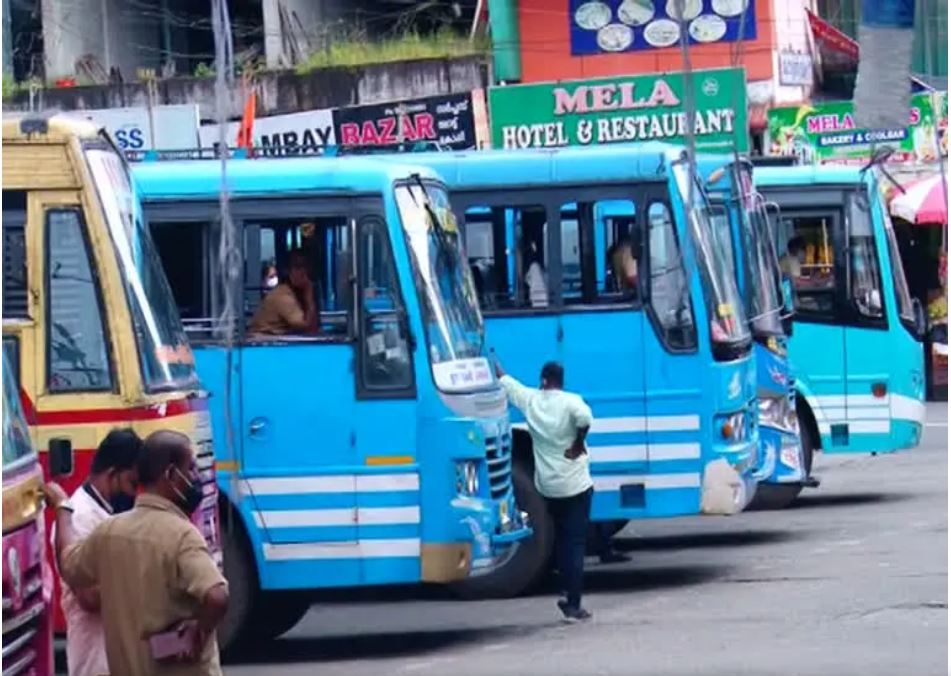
(907, 408)
(336, 483)
(613, 482)
(363, 516)
(659, 423)
(361, 549)
(858, 427)
(640, 453)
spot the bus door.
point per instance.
(509, 248)
(299, 457)
(813, 221)
(385, 413)
(868, 385)
(601, 339)
(672, 362)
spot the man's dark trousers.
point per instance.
(571, 516)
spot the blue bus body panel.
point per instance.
(334, 490)
(835, 365)
(780, 458)
(657, 415)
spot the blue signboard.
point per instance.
(611, 26)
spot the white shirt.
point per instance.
(553, 418)
(537, 285)
(85, 640)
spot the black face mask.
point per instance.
(122, 502)
(190, 497)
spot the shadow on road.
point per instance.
(703, 540)
(826, 501)
(368, 646)
(627, 579)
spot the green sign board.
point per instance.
(826, 132)
(622, 109)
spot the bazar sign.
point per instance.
(827, 132)
(447, 120)
(637, 108)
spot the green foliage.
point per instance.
(354, 51)
(204, 70)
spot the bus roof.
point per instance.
(544, 167)
(196, 179)
(807, 175)
(57, 127)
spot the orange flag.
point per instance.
(246, 130)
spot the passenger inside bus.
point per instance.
(792, 260)
(624, 264)
(291, 307)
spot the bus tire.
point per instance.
(241, 573)
(279, 612)
(781, 496)
(529, 565)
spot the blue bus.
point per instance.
(743, 227)
(856, 346)
(375, 450)
(661, 350)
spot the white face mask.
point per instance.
(270, 282)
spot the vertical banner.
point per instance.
(886, 34)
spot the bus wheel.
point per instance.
(528, 564)
(239, 569)
(279, 612)
(780, 496)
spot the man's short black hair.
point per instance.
(161, 449)
(120, 450)
(795, 245)
(553, 374)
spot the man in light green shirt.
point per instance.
(558, 422)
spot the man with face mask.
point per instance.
(161, 593)
(110, 489)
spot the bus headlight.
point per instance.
(467, 478)
(733, 427)
(772, 411)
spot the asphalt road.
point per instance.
(851, 580)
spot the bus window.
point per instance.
(186, 253)
(325, 242)
(667, 287)
(15, 300)
(385, 356)
(807, 245)
(508, 256)
(601, 252)
(78, 357)
(865, 286)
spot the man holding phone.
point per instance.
(161, 593)
(558, 422)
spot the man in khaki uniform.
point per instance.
(290, 307)
(152, 567)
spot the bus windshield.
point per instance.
(16, 435)
(728, 325)
(450, 307)
(166, 358)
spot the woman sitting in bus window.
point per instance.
(291, 307)
(624, 264)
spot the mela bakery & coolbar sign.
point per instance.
(622, 110)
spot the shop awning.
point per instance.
(838, 57)
(925, 201)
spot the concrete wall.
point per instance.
(285, 91)
(117, 34)
(315, 17)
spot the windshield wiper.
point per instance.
(444, 246)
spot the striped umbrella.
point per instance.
(925, 201)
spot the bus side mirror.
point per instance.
(61, 457)
(788, 324)
(789, 311)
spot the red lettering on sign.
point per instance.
(425, 126)
(350, 134)
(369, 135)
(387, 130)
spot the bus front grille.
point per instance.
(22, 624)
(499, 461)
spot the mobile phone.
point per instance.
(172, 643)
